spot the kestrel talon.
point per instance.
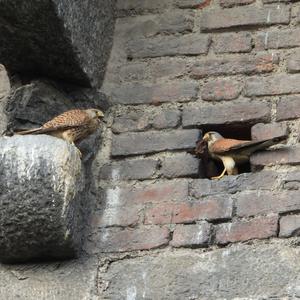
(233, 152)
(72, 126)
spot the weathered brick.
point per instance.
(242, 230)
(262, 131)
(139, 93)
(217, 208)
(221, 89)
(244, 16)
(129, 170)
(292, 181)
(273, 85)
(146, 193)
(166, 119)
(293, 63)
(175, 21)
(231, 3)
(169, 191)
(275, 1)
(192, 3)
(117, 240)
(191, 235)
(250, 112)
(189, 44)
(116, 216)
(289, 226)
(288, 108)
(281, 156)
(180, 165)
(232, 43)
(245, 64)
(167, 67)
(151, 142)
(278, 39)
(258, 202)
(264, 180)
(139, 120)
(139, 6)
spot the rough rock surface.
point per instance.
(239, 272)
(40, 179)
(67, 40)
(4, 93)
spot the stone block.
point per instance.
(289, 226)
(40, 183)
(4, 93)
(288, 108)
(231, 3)
(262, 131)
(232, 42)
(65, 40)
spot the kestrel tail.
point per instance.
(73, 125)
(234, 152)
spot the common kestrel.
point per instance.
(73, 125)
(234, 152)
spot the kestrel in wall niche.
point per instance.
(234, 152)
(72, 126)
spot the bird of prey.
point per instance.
(234, 152)
(71, 126)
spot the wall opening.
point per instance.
(234, 131)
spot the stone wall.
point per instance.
(159, 229)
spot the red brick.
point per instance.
(232, 43)
(169, 191)
(262, 131)
(139, 93)
(245, 64)
(278, 39)
(282, 156)
(258, 202)
(221, 89)
(185, 212)
(273, 85)
(289, 226)
(250, 112)
(146, 193)
(288, 108)
(146, 238)
(242, 230)
(189, 44)
(191, 235)
(153, 141)
(244, 16)
(231, 3)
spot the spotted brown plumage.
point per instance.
(73, 125)
(233, 152)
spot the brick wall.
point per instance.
(177, 69)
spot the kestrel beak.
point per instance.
(206, 137)
(100, 114)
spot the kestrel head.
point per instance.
(95, 113)
(212, 136)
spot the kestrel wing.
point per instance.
(226, 145)
(69, 119)
(247, 147)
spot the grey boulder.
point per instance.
(40, 184)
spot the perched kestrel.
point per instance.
(73, 125)
(233, 152)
